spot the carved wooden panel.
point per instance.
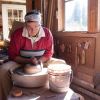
(85, 52)
(79, 52)
(65, 49)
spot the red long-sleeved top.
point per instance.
(19, 42)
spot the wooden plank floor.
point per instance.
(86, 96)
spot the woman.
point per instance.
(29, 44)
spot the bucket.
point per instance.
(59, 77)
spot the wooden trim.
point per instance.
(49, 13)
(38, 5)
(61, 15)
(28, 5)
(21, 1)
(51, 18)
(9, 2)
(92, 15)
(77, 34)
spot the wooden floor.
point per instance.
(86, 97)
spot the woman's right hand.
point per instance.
(34, 61)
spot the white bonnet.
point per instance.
(33, 15)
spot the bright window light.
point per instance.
(76, 15)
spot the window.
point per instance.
(76, 18)
(14, 15)
(10, 13)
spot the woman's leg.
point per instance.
(5, 79)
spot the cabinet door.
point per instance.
(65, 49)
(85, 58)
(85, 52)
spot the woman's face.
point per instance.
(33, 28)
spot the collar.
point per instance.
(40, 34)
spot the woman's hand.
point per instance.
(34, 61)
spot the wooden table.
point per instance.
(44, 93)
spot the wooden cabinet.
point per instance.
(81, 51)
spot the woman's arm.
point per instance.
(22, 60)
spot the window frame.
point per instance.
(5, 17)
(92, 16)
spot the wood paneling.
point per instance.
(92, 15)
(79, 51)
(21, 1)
(28, 5)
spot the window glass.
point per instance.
(11, 13)
(76, 15)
